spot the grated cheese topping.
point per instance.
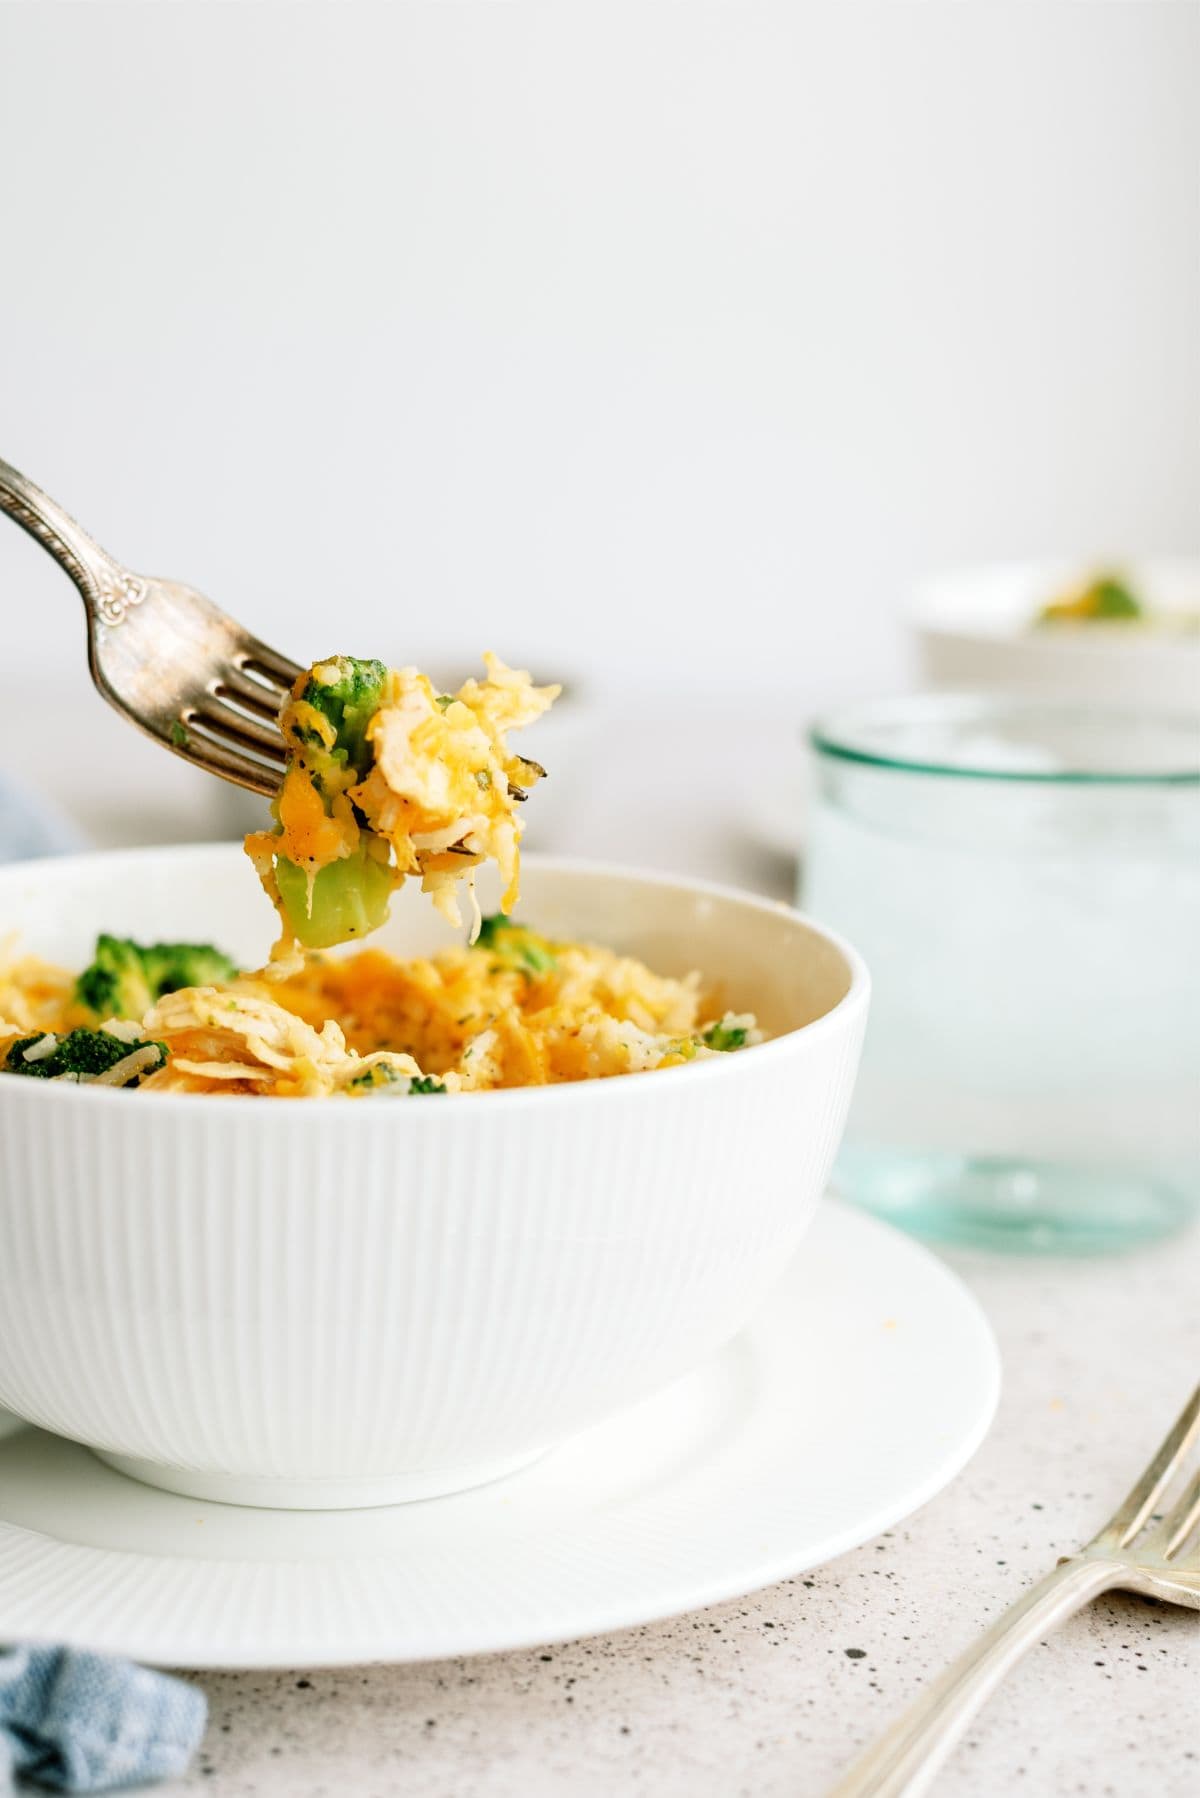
(515, 1009)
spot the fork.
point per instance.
(168, 659)
(1138, 1550)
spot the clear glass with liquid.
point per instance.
(1023, 881)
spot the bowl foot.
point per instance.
(1006, 1203)
(268, 1493)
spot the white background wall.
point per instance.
(673, 336)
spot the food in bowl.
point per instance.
(341, 1304)
(513, 1009)
(1112, 598)
(387, 778)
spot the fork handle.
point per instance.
(904, 1761)
(91, 568)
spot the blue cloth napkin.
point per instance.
(80, 1722)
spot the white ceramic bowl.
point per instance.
(337, 1302)
(976, 628)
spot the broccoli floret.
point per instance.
(126, 978)
(80, 1056)
(348, 898)
(726, 1036)
(115, 984)
(516, 945)
(1110, 597)
(174, 965)
(382, 1077)
(348, 692)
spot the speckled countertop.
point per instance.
(772, 1694)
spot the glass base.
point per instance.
(1025, 1207)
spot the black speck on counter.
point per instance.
(304, 1685)
(855, 1654)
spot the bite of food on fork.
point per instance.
(373, 775)
(386, 778)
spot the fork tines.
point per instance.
(233, 729)
(1169, 1537)
(268, 666)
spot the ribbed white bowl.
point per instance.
(328, 1303)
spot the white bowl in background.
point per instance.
(324, 1303)
(977, 628)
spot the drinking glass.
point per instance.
(1023, 879)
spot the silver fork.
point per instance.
(167, 658)
(1138, 1550)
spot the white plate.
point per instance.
(864, 1387)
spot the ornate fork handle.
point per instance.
(903, 1762)
(107, 588)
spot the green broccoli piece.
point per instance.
(175, 965)
(1106, 597)
(115, 984)
(516, 945)
(383, 1077)
(348, 898)
(725, 1036)
(1111, 598)
(80, 1056)
(349, 701)
(124, 978)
